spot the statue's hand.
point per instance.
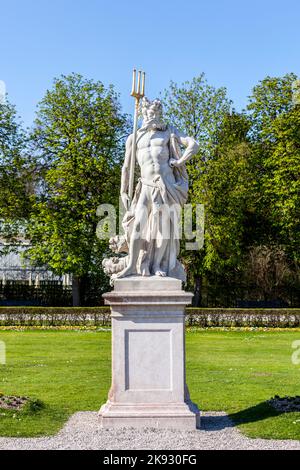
(125, 200)
(173, 162)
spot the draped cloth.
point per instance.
(167, 200)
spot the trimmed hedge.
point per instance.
(100, 316)
(241, 317)
(54, 316)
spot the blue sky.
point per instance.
(236, 44)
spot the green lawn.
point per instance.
(234, 371)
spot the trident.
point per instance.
(137, 93)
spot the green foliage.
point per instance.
(197, 108)
(78, 137)
(275, 135)
(225, 189)
(281, 181)
(246, 174)
(16, 176)
(272, 97)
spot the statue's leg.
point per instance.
(160, 249)
(161, 241)
(136, 236)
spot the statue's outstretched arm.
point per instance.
(125, 173)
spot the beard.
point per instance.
(155, 124)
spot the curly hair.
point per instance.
(155, 105)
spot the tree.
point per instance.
(78, 138)
(226, 189)
(281, 182)
(16, 174)
(275, 135)
(269, 269)
(198, 109)
(221, 177)
(272, 97)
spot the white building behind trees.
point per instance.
(15, 267)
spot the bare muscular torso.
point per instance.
(153, 155)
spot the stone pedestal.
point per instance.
(148, 356)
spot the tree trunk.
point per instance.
(76, 291)
(197, 291)
(79, 286)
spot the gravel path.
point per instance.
(82, 431)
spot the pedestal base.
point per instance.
(148, 356)
(185, 416)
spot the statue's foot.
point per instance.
(159, 272)
(145, 272)
(129, 271)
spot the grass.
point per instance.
(68, 371)
(232, 371)
(238, 371)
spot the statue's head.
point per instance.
(152, 114)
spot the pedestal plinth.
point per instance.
(148, 356)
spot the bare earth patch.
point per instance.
(12, 402)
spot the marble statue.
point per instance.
(148, 387)
(151, 221)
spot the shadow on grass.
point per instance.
(252, 414)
